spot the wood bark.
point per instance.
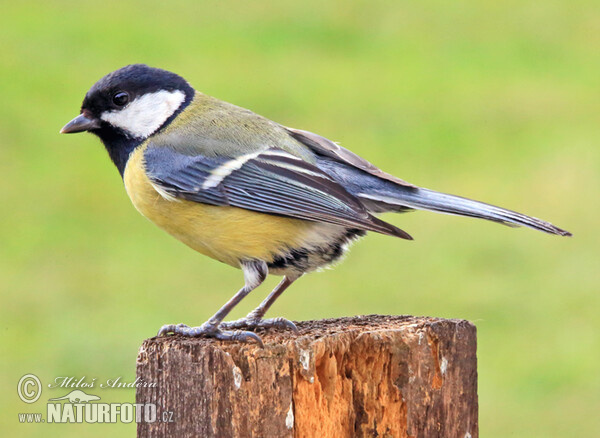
(365, 376)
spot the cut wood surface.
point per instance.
(365, 376)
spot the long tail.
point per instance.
(381, 195)
(425, 199)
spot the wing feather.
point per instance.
(272, 181)
(324, 147)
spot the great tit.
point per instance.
(247, 191)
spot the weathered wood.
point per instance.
(387, 376)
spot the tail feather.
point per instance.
(425, 199)
(381, 195)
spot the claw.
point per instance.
(209, 330)
(239, 335)
(252, 323)
(165, 329)
(278, 322)
(283, 323)
(170, 328)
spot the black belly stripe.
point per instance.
(300, 258)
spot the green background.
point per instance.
(499, 101)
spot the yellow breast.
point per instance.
(228, 234)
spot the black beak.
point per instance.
(79, 124)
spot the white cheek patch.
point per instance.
(146, 114)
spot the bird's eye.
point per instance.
(120, 98)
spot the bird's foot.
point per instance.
(209, 330)
(252, 323)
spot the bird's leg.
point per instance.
(255, 318)
(254, 274)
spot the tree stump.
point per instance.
(365, 376)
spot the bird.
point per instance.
(247, 191)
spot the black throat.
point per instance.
(120, 145)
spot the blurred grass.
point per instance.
(499, 101)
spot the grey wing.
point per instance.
(271, 181)
(324, 147)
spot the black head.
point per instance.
(128, 105)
